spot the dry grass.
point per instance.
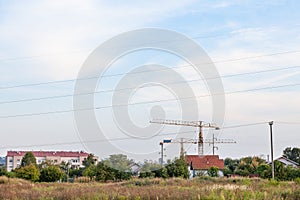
(152, 189)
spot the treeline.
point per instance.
(256, 166)
(119, 167)
(115, 168)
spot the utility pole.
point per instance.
(271, 137)
(181, 148)
(162, 153)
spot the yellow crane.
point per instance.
(199, 124)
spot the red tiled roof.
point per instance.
(205, 161)
(49, 153)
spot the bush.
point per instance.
(29, 172)
(213, 172)
(51, 174)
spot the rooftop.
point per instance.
(204, 162)
(49, 153)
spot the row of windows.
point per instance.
(40, 161)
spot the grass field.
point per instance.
(199, 188)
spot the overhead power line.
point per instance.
(145, 71)
(91, 141)
(149, 102)
(120, 138)
(144, 86)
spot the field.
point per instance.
(200, 188)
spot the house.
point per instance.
(287, 162)
(201, 164)
(74, 158)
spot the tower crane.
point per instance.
(199, 124)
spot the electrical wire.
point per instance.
(148, 102)
(144, 86)
(129, 138)
(120, 74)
(92, 141)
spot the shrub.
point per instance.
(51, 174)
(213, 172)
(29, 172)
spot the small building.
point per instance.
(287, 162)
(74, 158)
(199, 165)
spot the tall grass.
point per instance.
(199, 188)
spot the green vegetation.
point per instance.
(28, 172)
(254, 165)
(213, 172)
(118, 168)
(28, 159)
(173, 188)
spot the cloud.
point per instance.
(62, 33)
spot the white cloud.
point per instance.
(56, 28)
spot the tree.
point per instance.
(264, 171)
(89, 161)
(213, 171)
(231, 164)
(3, 171)
(292, 154)
(28, 172)
(51, 174)
(118, 162)
(103, 172)
(178, 168)
(90, 171)
(28, 159)
(279, 170)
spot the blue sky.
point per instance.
(43, 41)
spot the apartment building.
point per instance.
(74, 158)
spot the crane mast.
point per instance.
(199, 124)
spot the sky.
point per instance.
(46, 41)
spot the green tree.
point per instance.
(118, 162)
(178, 168)
(28, 159)
(279, 170)
(292, 154)
(51, 174)
(226, 171)
(28, 172)
(90, 171)
(231, 164)
(248, 165)
(3, 171)
(104, 173)
(264, 171)
(90, 160)
(213, 171)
